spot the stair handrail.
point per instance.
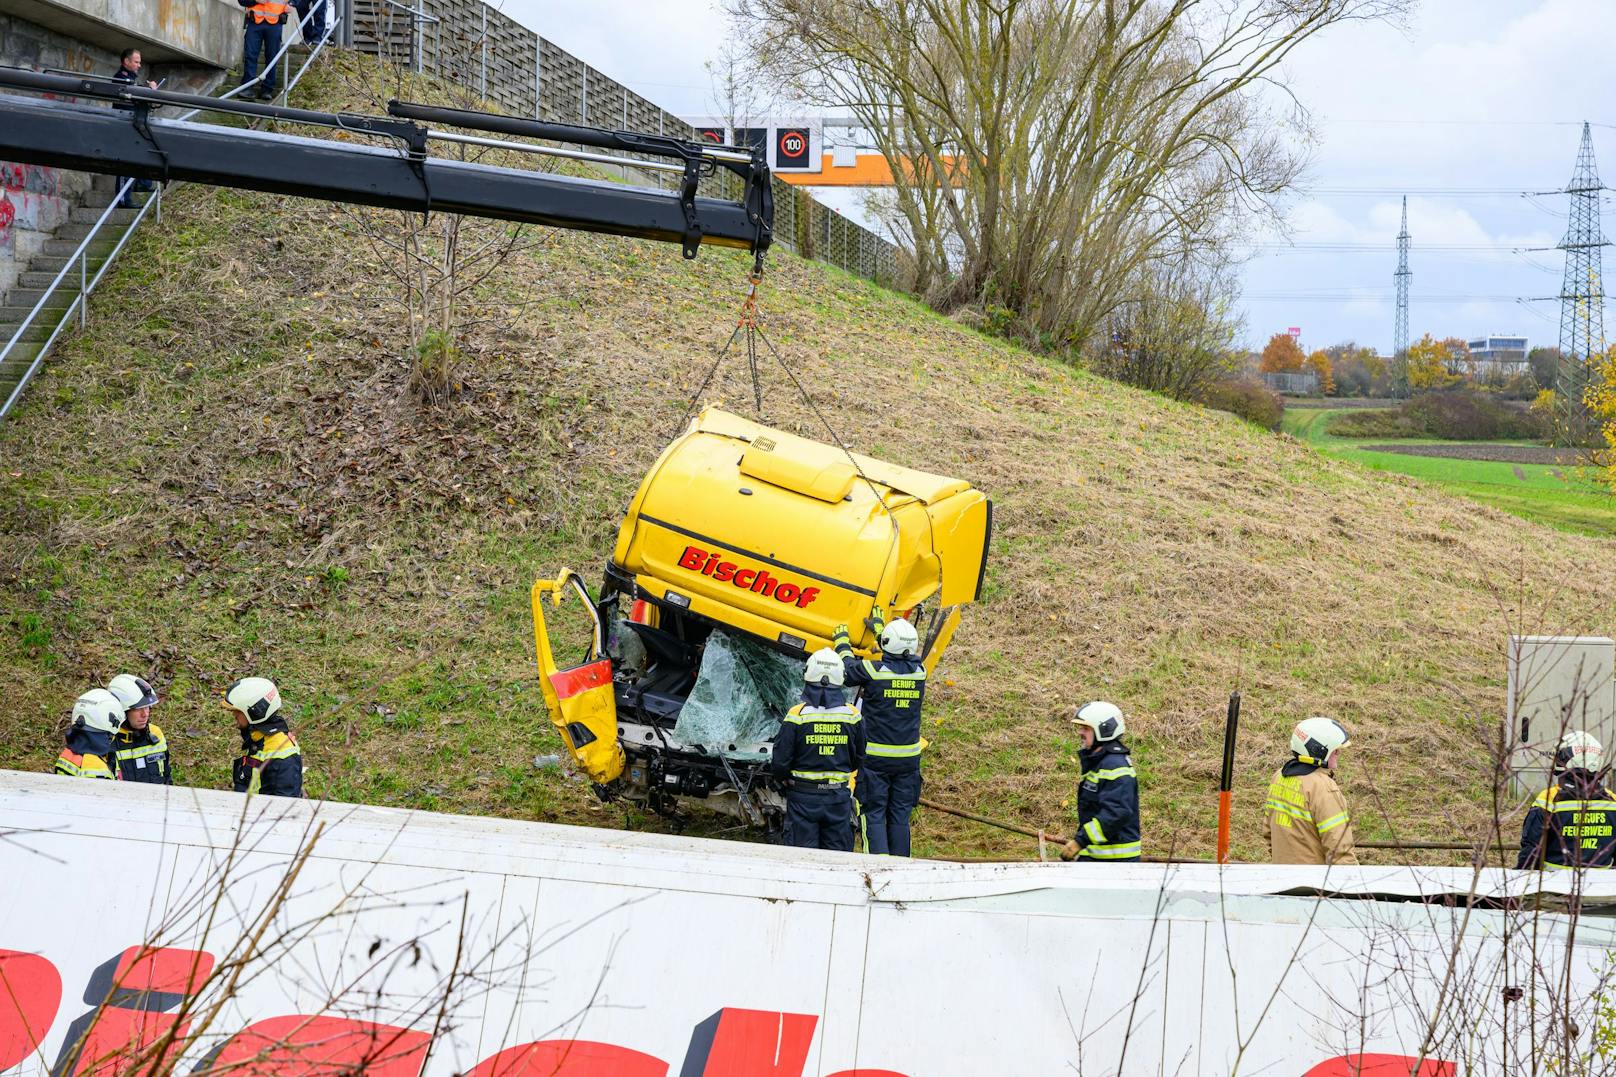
(87, 284)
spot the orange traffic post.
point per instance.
(1226, 782)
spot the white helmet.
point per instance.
(1102, 717)
(98, 709)
(1315, 739)
(132, 691)
(256, 697)
(900, 639)
(1580, 751)
(824, 667)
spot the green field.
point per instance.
(1565, 497)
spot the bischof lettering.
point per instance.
(756, 580)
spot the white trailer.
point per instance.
(268, 936)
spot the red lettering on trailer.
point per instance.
(570, 1058)
(32, 990)
(1381, 1066)
(756, 580)
(733, 1042)
(751, 1043)
(314, 1046)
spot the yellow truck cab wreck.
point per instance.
(742, 551)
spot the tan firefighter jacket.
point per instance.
(1308, 821)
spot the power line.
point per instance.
(1382, 297)
(1481, 123)
(1349, 246)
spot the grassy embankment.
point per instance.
(1565, 497)
(226, 475)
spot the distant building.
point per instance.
(1498, 355)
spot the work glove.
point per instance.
(840, 632)
(877, 620)
(1070, 850)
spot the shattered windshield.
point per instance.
(742, 690)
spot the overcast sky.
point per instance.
(1464, 107)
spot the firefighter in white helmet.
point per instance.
(97, 714)
(139, 749)
(1572, 823)
(819, 746)
(271, 762)
(1308, 821)
(1108, 798)
(891, 689)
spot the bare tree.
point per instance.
(435, 263)
(1175, 333)
(1047, 151)
(738, 96)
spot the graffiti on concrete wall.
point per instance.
(34, 179)
(33, 198)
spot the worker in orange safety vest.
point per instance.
(262, 24)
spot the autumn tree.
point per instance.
(1358, 371)
(1545, 364)
(1461, 364)
(1601, 399)
(1319, 363)
(1047, 152)
(1281, 355)
(1428, 360)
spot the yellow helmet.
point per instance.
(1104, 718)
(256, 697)
(825, 668)
(1580, 751)
(1317, 738)
(98, 709)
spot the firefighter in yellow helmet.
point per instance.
(1108, 796)
(819, 747)
(1572, 823)
(139, 748)
(1308, 821)
(271, 762)
(97, 714)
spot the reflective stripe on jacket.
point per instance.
(87, 765)
(87, 755)
(141, 755)
(272, 765)
(818, 743)
(891, 692)
(1570, 825)
(1307, 817)
(1108, 804)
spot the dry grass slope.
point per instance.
(225, 475)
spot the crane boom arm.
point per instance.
(132, 143)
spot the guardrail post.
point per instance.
(84, 288)
(159, 199)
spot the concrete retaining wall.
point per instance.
(202, 32)
(35, 199)
(75, 38)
